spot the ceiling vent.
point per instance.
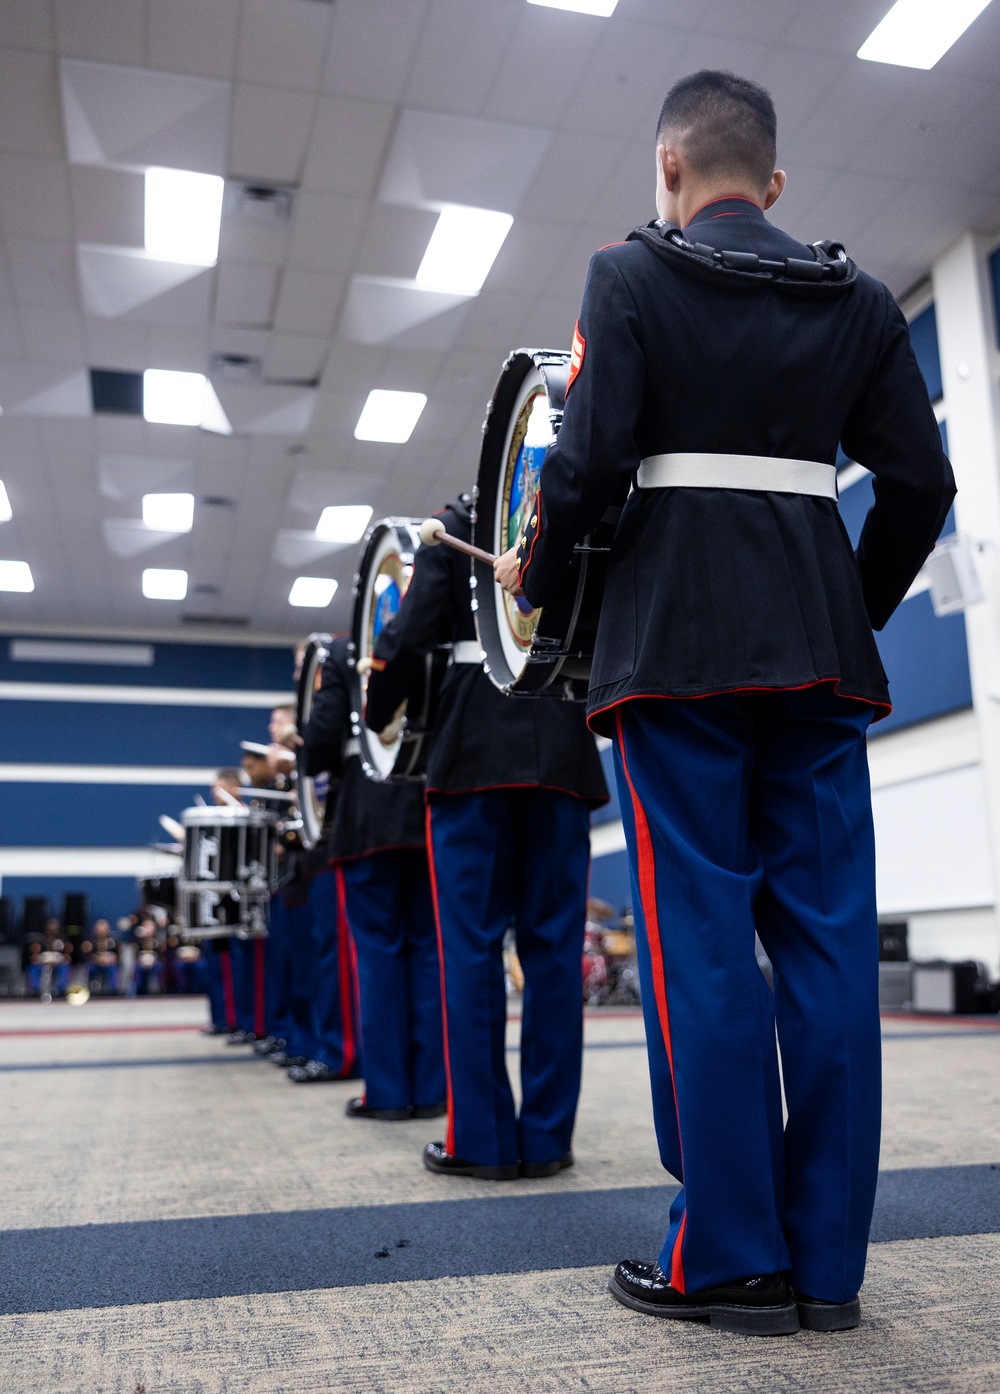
(234, 367)
(263, 204)
(114, 392)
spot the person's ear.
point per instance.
(774, 189)
(666, 159)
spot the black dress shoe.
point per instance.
(429, 1110)
(312, 1072)
(441, 1161)
(284, 1061)
(817, 1315)
(357, 1108)
(761, 1306)
(268, 1045)
(547, 1168)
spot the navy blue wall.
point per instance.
(995, 278)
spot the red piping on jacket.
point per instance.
(346, 990)
(722, 198)
(228, 996)
(259, 989)
(449, 1144)
(647, 895)
(882, 708)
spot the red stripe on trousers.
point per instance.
(258, 983)
(346, 991)
(228, 996)
(449, 1144)
(647, 895)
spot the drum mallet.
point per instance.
(433, 531)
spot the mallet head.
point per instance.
(431, 530)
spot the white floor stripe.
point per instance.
(86, 861)
(142, 696)
(108, 774)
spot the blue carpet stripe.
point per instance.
(120, 1265)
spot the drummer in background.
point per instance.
(377, 842)
(510, 786)
(218, 952)
(102, 959)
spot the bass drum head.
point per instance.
(519, 430)
(312, 789)
(382, 581)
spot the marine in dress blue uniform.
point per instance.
(378, 847)
(510, 785)
(737, 673)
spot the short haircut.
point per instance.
(726, 125)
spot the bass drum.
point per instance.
(400, 751)
(312, 789)
(550, 649)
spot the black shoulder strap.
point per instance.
(832, 271)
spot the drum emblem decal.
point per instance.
(531, 439)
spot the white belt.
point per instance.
(467, 651)
(352, 747)
(763, 472)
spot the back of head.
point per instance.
(725, 125)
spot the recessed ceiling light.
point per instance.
(603, 8)
(172, 398)
(162, 583)
(16, 576)
(916, 33)
(463, 246)
(389, 416)
(316, 592)
(6, 512)
(345, 523)
(183, 214)
(168, 512)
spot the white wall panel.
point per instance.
(932, 843)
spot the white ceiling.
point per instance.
(375, 111)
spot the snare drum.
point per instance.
(313, 789)
(229, 869)
(382, 579)
(546, 650)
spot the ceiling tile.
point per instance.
(294, 358)
(283, 43)
(34, 197)
(53, 336)
(627, 77)
(347, 146)
(244, 295)
(269, 132)
(115, 281)
(395, 240)
(115, 344)
(191, 36)
(327, 230)
(177, 346)
(459, 53)
(574, 169)
(29, 104)
(107, 205)
(43, 273)
(378, 71)
(541, 67)
(308, 302)
(26, 24)
(103, 29)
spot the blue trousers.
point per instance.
(499, 858)
(219, 973)
(335, 1011)
(300, 1039)
(249, 984)
(747, 812)
(391, 915)
(277, 970)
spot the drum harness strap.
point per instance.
(831, 273)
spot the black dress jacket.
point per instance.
(723, 590)
(481, 739)
(364, 815)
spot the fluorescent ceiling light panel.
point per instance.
(314, 592)
(345, 523)
(916, 33)
(389, 416)
(173, 399)
(6, 512)
(168, 512)
(16, 576)
(162, 583)
(183, 213)
(463, 246)
(603, 8)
